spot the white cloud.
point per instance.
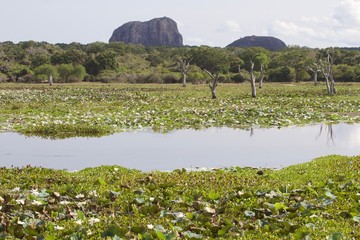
(196, 41)
(347, 13)
(340, 28)
(230, 26)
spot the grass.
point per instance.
(99, 109)
(315, 200)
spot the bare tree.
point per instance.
(315, 69)
(327, 70)
(214, 83)
(252, 78)
(262, 75)
(184, 66)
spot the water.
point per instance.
(210, 148)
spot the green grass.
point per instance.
(313, 200)
(99, 109)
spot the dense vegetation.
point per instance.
(99, 109)
(315, 200)
(33, 61)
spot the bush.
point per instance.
(282, 74)
(344, 73)
(171, 78)
(3, 77)
(238, 78)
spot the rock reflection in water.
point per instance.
(216, 147)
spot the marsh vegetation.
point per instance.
(313, 200)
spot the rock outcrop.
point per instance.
(156, 32)
(270, 43)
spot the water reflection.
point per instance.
(217, 147)
(329, 132)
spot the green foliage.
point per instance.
(46, 71)
(132, 62)
(313, 200)
(283, 74)
(69, 73)
(345, 73)
(211, 59)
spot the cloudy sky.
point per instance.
(312, 23)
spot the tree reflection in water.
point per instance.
(328, 128)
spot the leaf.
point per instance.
(280, 206)
(214, 195)
(139, 200)
(160, 228)
(100, 181)
(192, 235)
(209, 210)
(189, 216)
(137, 229)
(330, 195)
(356, 218)
(311, 190)
(249, 214)
(160, 235)
(335, 236)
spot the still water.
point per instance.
(210, 148)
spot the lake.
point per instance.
(209, 148)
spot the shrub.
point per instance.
(282, 74)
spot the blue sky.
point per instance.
(313, 23)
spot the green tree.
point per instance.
(69, 73)
(103, 61)
(47, 70)
(78, 73)
(65, 71)
(213, 61)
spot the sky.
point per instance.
(311, 23)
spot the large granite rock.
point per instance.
(270, 43)
(156, 32)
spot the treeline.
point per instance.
(118, 62)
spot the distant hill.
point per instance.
(267, 42)
(156, 32)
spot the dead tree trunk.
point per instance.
(315, 71)
(184, 68)
(51, 82)
(262, 76)
(214, 83)
(252, 79)
(328, 74)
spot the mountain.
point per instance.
(270, 43)
(156, 32)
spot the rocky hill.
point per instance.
(156, 32)
(270, 43)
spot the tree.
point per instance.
(69, 73)
(184, 66)
(213, 61)
(315, 68)
(252, 79)
(47, 70)
(65, 71)
(103, 61)
(263, 61)
(327, 70)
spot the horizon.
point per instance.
(327, 23)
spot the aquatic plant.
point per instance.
(97, 109)
(315, 200)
